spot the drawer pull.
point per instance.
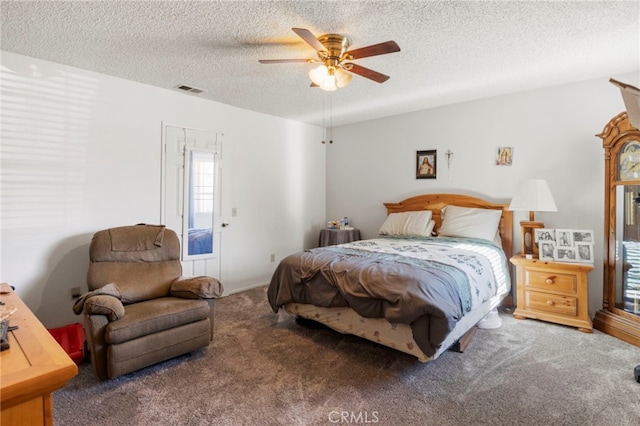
(550, 302)
(550, 280)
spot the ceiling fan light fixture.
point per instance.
(329, 83)
(343, 78)
(329, 78)
(332, 51)
(318, 75)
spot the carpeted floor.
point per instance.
(261, 372)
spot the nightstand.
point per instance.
(553, 291)
(331, 237)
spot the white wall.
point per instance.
(552, 132)
(82, 152)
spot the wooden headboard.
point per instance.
(436, 202)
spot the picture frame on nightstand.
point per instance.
(545, 234)
(564, 238)
(584, 252)
(565, 254)
(582, 236)
(546, 240)
(546, 249)
(565, 245)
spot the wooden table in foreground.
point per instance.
(31, 369)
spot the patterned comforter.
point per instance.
(427, 283)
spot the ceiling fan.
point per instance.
(335, 58)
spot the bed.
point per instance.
(439, 265)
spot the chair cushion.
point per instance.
(137, 281)
(142, 260)
(155, 315)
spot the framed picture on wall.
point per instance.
(504, 156)
(426, 164)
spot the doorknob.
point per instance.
(225, 224)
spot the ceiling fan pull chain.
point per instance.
(330, 118)
(324, 127)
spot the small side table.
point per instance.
(332, 237)
(553, 291)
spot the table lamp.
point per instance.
(532, 195)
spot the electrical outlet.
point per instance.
(273, 257)
(234, 212)
(76, 292)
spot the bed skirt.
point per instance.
(379, 330)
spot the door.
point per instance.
(192, 196)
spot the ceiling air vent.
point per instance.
(189, 89)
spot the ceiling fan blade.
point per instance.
(308, 36)
(281, 61)
(375, 49)
(368, 73)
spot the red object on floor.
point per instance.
(71, 338)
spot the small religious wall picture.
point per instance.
(426, 164)
(504, 156)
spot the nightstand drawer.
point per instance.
(567, 283)
(551, 303)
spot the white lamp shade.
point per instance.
(533, 195)
(342, 77)
(329, 83)
(318, 75)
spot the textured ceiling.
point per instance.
(452, 51)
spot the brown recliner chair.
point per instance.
(139, 310)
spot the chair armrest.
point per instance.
(202, 287)
(103, 304)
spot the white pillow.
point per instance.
(497, 238)
(407, 224)
(470, 222)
